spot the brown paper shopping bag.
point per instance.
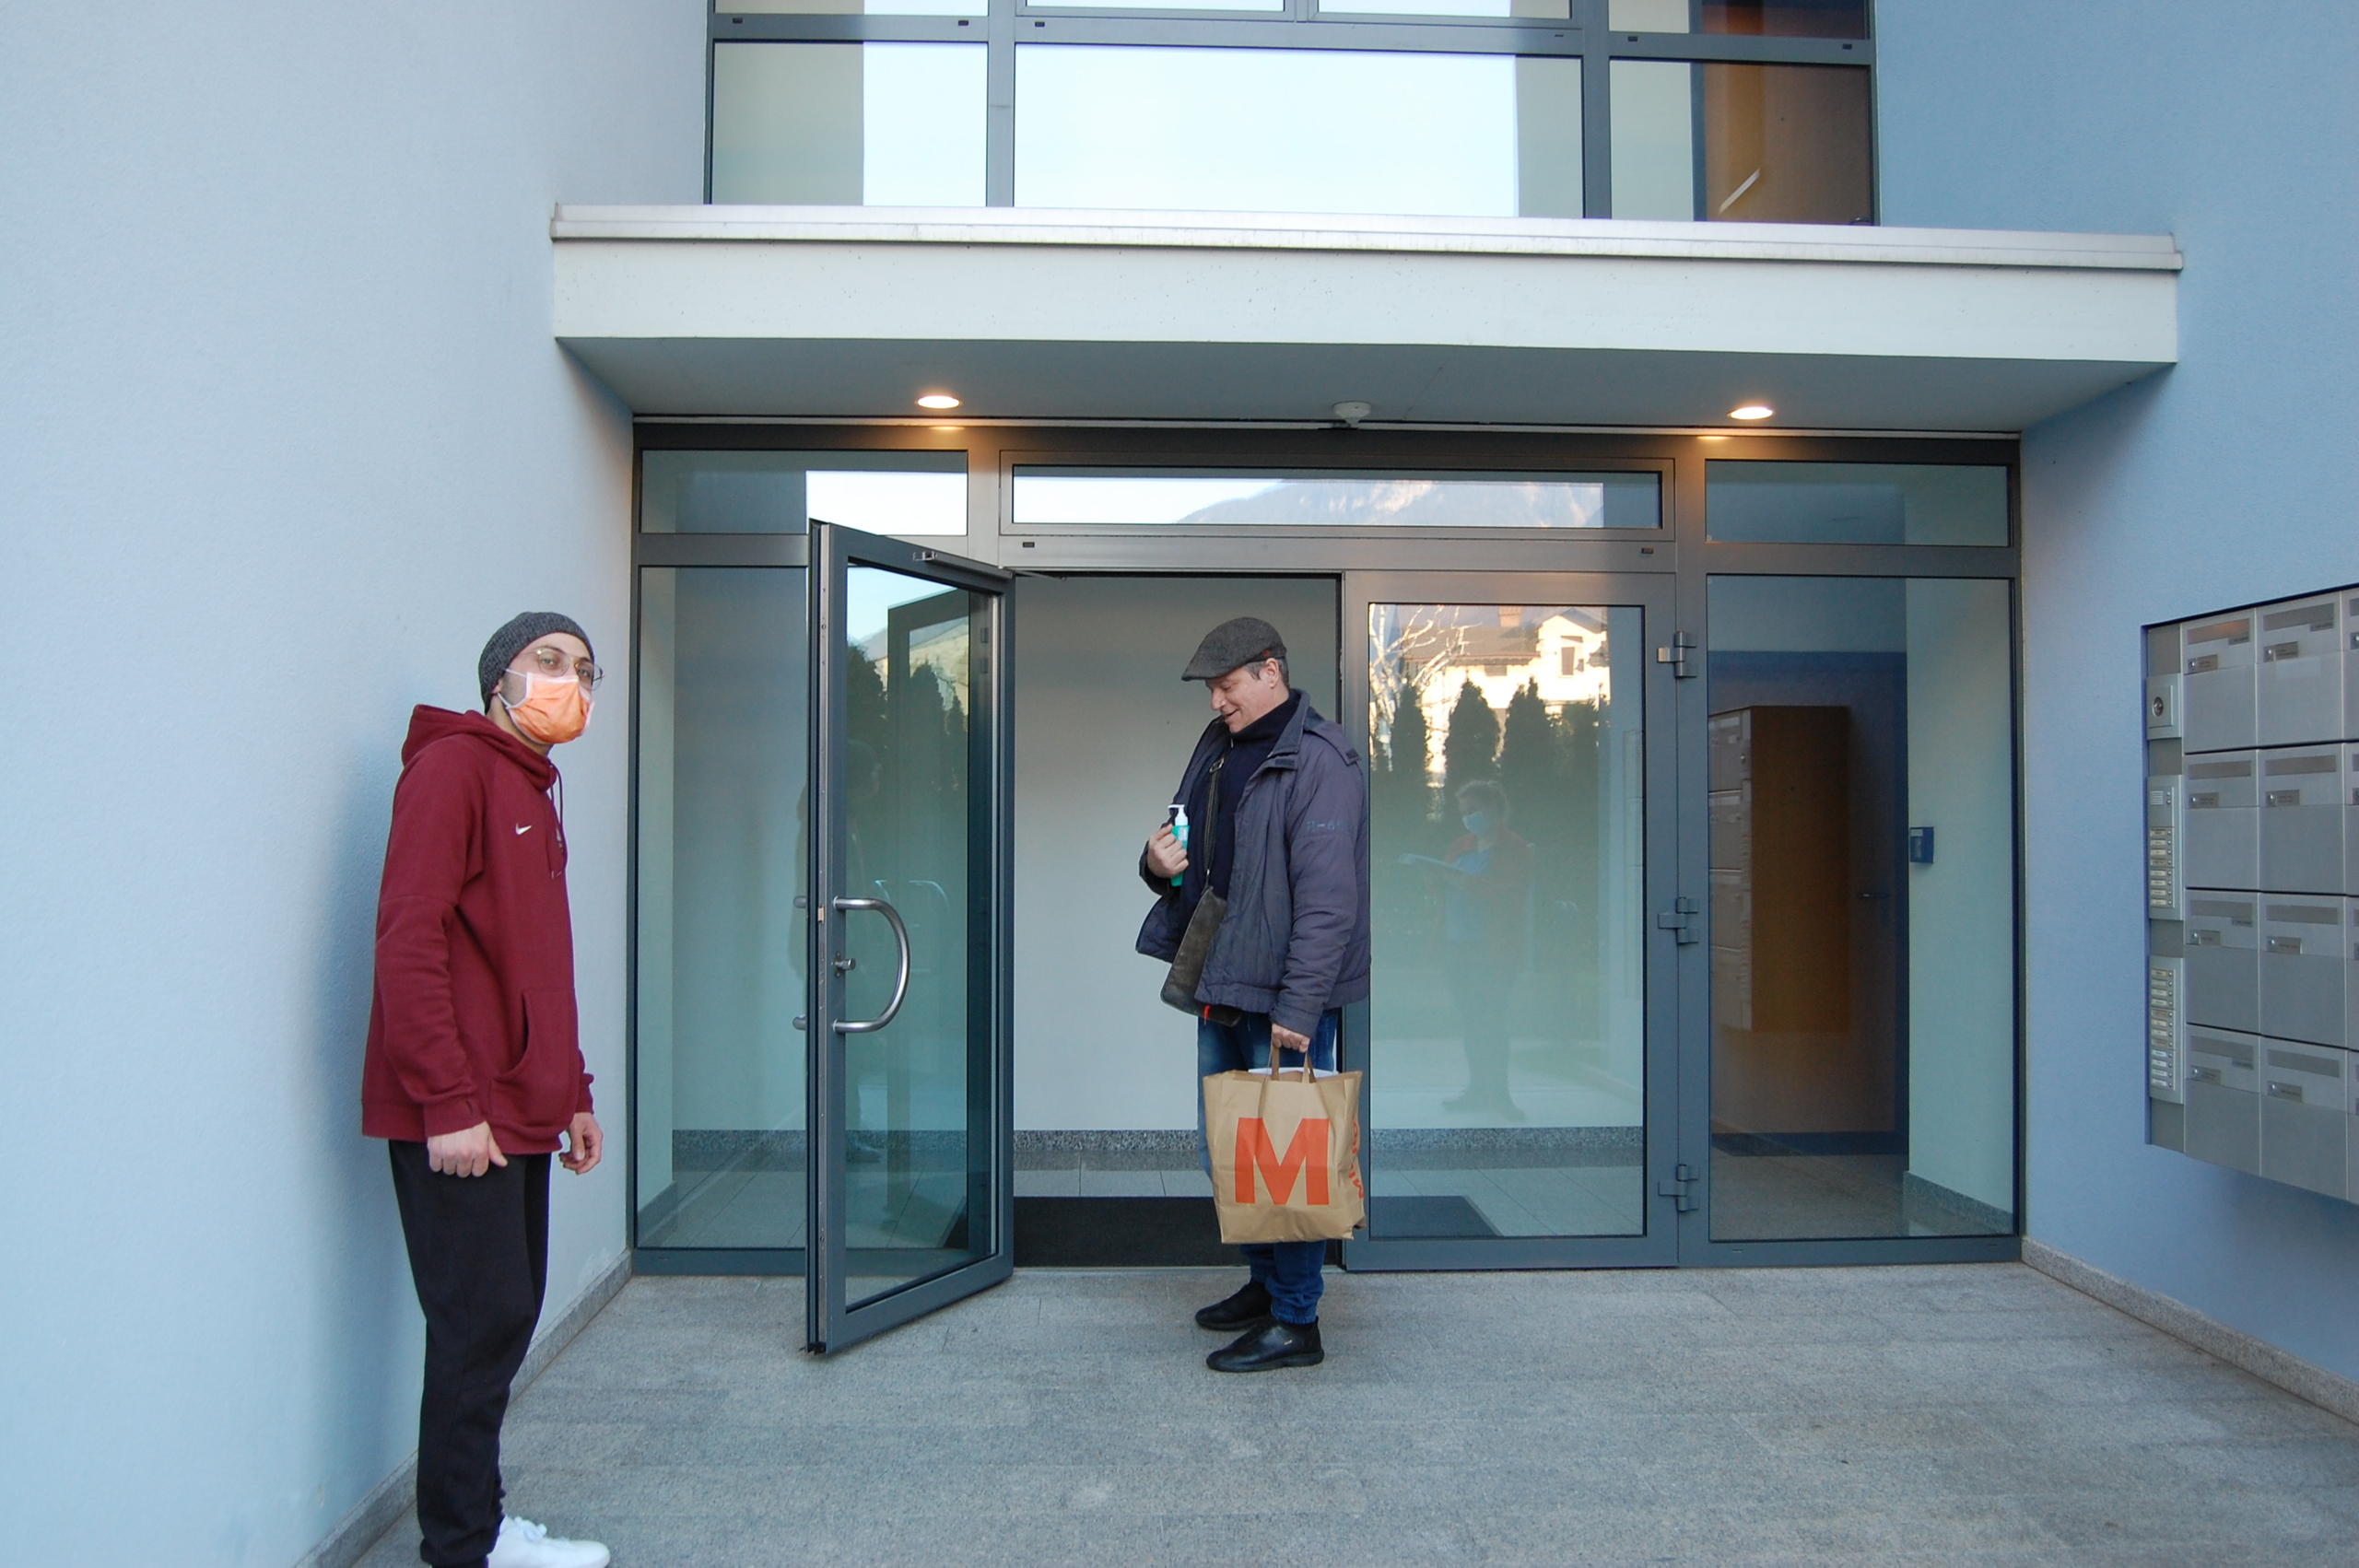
(1286, 1149)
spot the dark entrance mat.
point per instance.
(1117, 1233)
(1416, 1218)
(1174, 1233)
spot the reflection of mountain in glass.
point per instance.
(1415, 503)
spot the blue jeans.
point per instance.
(1287, 1269)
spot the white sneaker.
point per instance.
(524, 1544)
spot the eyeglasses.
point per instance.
(551, 662)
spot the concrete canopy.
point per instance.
(822, 312)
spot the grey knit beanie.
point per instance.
(514, 638)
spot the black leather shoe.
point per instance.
(1274, 1345)
(1249, 1309)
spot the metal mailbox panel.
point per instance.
(2224, 961)
(2166, 836)
(2223, 1098)
(2302, 970)
(2219, 699)
(2351, 821)
(2304, 1116)
(2223, 818)
(2350, 977)
(1728, 751)
(2350, 1137)
(1731, 829)
(2303, 803)
(2351, 669)
(2166, 1031)
(1732, 910)
(2162, 662)
(2301, 667)
(1731, 988)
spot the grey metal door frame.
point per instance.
(1651, 595)
(1677, 561)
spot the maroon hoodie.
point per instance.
(474, 1018)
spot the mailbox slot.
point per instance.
(2305, 1115)
(2223, 1098)
(2219, 697)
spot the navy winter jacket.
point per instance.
(1295, 940)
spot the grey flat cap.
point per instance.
(1244, 641)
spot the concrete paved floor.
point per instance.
(1967, 1415)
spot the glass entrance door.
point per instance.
(912, 1201)
(1518, 1053)
(820, 1071)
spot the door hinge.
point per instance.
(1681, 1188)
(1674, 653)
(1680, 918)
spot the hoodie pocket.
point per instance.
(539, 1092)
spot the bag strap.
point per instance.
(1212, 809)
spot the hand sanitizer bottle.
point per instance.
(1180, 831)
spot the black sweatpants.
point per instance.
(479, 1252)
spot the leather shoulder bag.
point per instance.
(1196, 943)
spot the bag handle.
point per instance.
(1278, 1068)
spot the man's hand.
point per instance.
(583, 1144)
(1164, 856)
(1284, 1039)
(466, 1153)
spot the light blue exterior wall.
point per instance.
(283, 437)
(2230, 478)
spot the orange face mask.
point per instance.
(555, 711)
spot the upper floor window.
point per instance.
(1707, 111)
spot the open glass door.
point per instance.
(1519, 1043)
(911, 1197)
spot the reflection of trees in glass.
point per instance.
(1406, 786)
(1527, 755)
(1471, 748)
(867, 709)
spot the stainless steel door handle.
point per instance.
(900, 979)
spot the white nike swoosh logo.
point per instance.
(525, 829)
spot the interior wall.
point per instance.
(287, 438)
(2224, 480)
(1103, 728)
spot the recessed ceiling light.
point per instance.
(937, 400)
(1750, 411)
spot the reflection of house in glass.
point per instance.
(1436, 650)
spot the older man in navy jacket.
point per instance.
(1286, 843)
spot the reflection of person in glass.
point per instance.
(1486, 889)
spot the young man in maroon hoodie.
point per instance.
(474, 1073)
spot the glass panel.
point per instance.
(781, 492)
(1547, 10)
(1862, 780)
(1275, 5)
(1508, 1050)
(723, 717)
(1771, 19)
(847, 125)
(1778, 144)
(917, 1111)
(1287, 130)
(854, 8)
(1123, 497)
(1855, 503)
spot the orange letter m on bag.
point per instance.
(1310, 1149)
